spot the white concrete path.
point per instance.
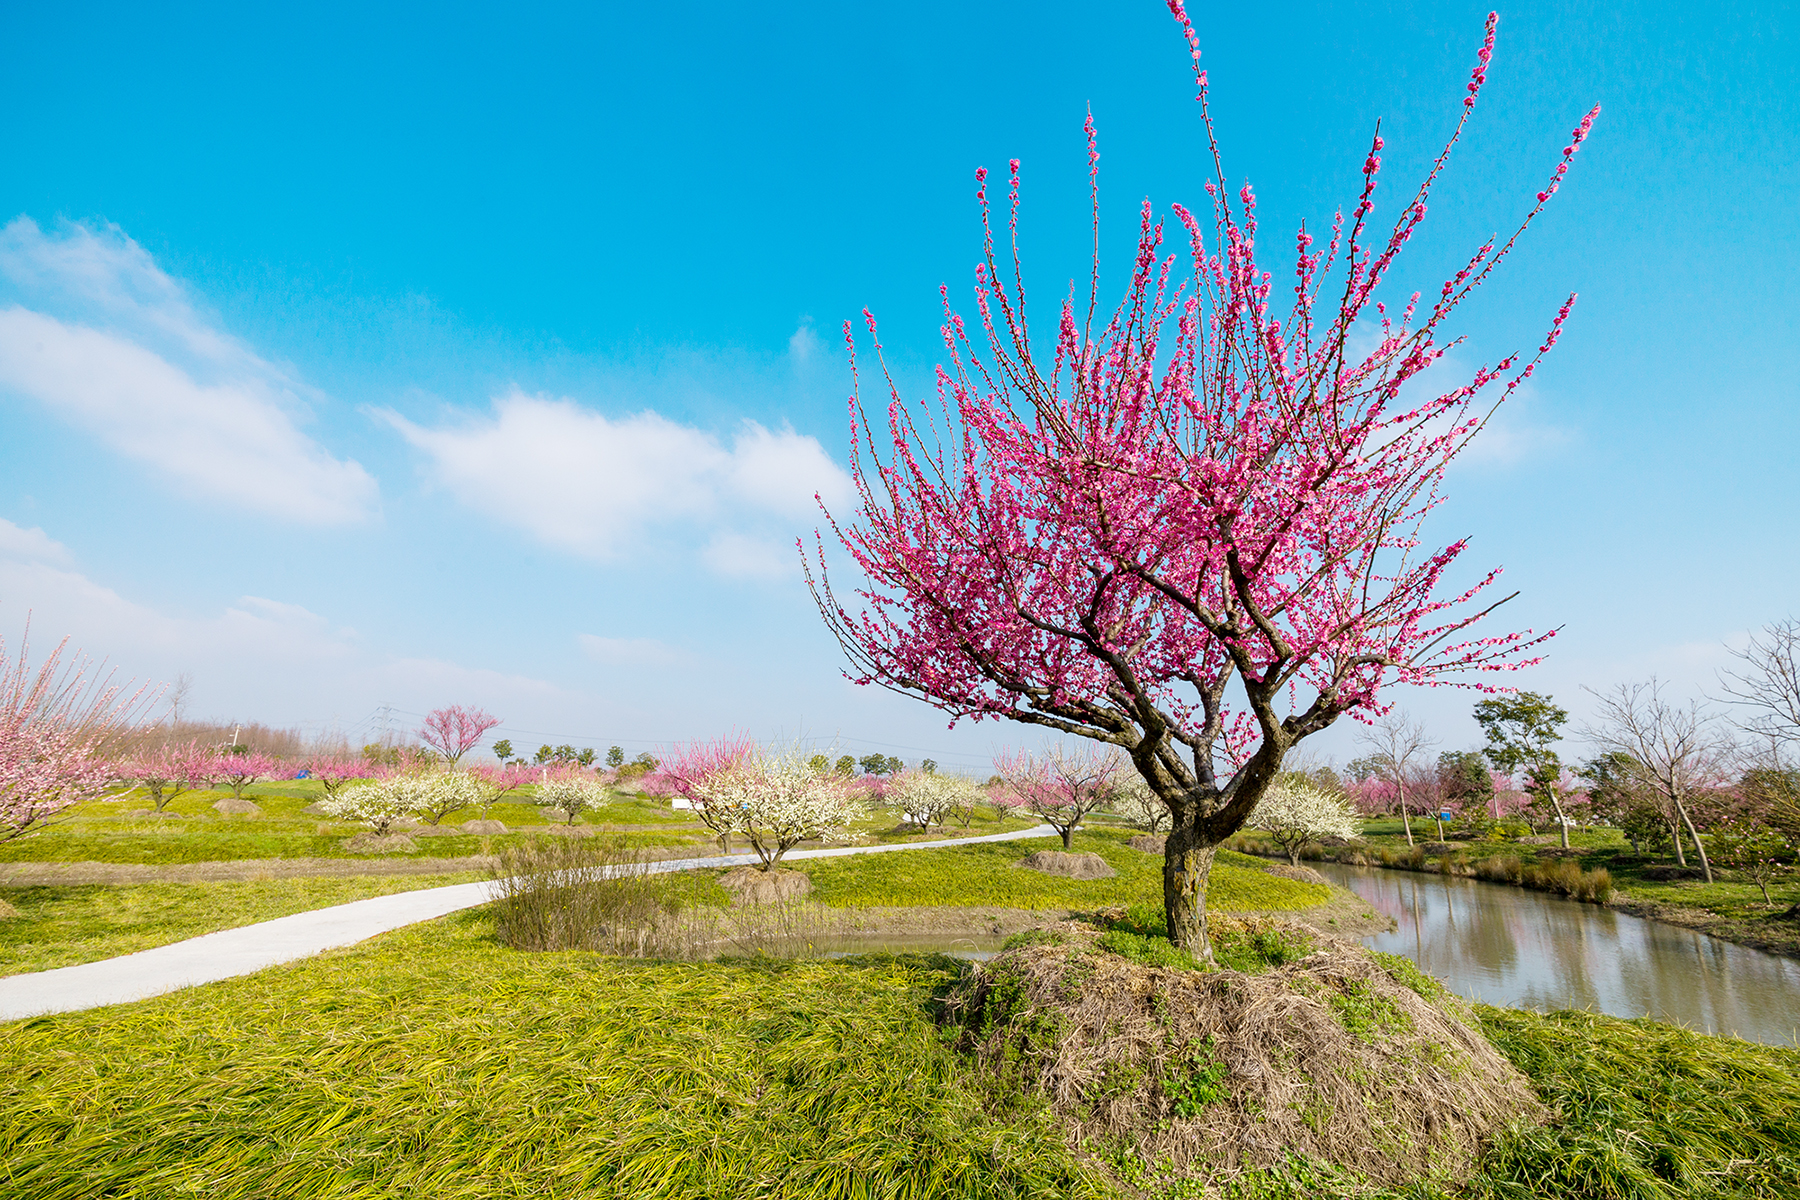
(241, 951)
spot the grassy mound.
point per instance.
(1193, 1078)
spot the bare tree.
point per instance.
(1397, 747)
(1674, 752)
(177, 695)
(1768, 683)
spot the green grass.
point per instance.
(434, 1063)
(59, 926)
(1647, 1112)
(105, 832)
(983, 875)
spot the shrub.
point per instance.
(564, 894)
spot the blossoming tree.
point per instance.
(453, 731)
(167, 771)
(1061, 787)
(1189, 528)
(1294, 812)
(775, 799)
(55, 723)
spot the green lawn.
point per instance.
(984, 875)
(107, 832)
(433, 1062)
(60, 926)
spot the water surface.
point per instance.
(1522, 949)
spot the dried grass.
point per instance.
(1210, 1074)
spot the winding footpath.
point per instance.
(250, 948)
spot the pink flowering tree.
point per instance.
(498, 781)
(56, 721)
(333, 772)
(1060, 787)
(693, 771)
(454, 731)
(1189, 528)
(168, 771)
(239, 771)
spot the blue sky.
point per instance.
(489, 354)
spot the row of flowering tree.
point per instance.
(1189, 528)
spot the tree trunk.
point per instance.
(1675, 839)
(1562, 824)
(1699, 848)
(1068, 832)
(1186, 867)
(1405, 816)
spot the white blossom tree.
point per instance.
(572, 793)
(774, 798)
(427, 795)
(1133, 800)
(1295, 811)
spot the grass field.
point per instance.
(60, 926)
(984, 875)
(109, 832)
(433, 1062)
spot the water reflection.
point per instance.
(1508, 946)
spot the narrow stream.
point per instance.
(1522, 949)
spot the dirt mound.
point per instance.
(370, 842)
(1303, 874)
(229, 805)
(1440, 848)
(315, 809)
(1083, 865)
(484, 826)
(753, 885)
(1209, 1073)
(1149, 843)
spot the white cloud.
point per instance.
(235, 653)
(127, 359)
(804, 344)
(599, 486)
(737, 556)
(31, 544)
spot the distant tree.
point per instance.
(333, 773)
(586, 757)
(165, 773)
(881, 764)
(572, 794)
(1675, 753)
(1295, 811)
(503, 749)
(1767, 684)
(615, 757)
(845, 765)
(819, 764)
(1060, 787)
(1133, 799)
(1771, 795)
(496, 782)
(929, 766)
(1464, 778)
(1397, 754)
(544, 754)
(1521, 730)
(239, 770)
(453, 731)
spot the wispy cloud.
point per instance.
(100, 336)
(581, 481)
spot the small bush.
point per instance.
(1366, 1014)
(594, 894)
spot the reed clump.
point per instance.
(602, 895)
(1560, 876)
